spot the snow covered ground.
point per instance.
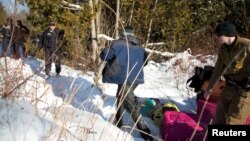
(70, 108)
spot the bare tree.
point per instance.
(93, 32)
(117, 19)
(150, 24)
(98, 14)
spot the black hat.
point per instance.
(19, 22)
(129, 29)
(226, 28)
(52, 24)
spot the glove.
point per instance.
(207, 94)
(200, 94)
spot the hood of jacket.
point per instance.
(130, 38)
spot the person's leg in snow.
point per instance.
(129, 104)
(58, 63)
(48, 61)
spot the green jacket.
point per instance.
(240, 68)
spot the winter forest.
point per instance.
(178, 35)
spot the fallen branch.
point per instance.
(71, 6)
(167, 54)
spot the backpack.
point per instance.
(200, 76)
(179, 126)
(148, 107)
(159, 113)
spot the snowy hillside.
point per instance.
(70, 108)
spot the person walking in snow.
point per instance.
(125, 61)
(50, 39)
(6, 32)
(19, 36)
(234, 103)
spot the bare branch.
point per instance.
(105, 37)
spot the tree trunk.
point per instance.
(98, 14)
(93, 33)
(117, 19)
(132, 12)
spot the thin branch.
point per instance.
(132, 12)
(105, 37)
(150, 24)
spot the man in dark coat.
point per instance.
(19, 36)
(50, 42)
(233, 61)
(6, 32)
(125, 61)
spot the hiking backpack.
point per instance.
(179, 126)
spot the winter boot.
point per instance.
(47, 76)
(146, 136)
(144, 131)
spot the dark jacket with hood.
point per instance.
(20, 32)
(125, 61)
(239, 70)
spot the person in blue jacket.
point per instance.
(125, 61)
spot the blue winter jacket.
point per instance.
(124, 64)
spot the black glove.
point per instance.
(200, 94)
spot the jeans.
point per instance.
(126, 100)
(4, 46)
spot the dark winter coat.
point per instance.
(124, 64)
(20, 33)
(6, 31)
(234, 102)
(50, 39)
(239, 70)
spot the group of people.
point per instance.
(126, 58)
(14, 36)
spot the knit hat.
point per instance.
(52, 24)
(226, 28)
(129, 29)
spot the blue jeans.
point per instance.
(19, 49)
(16, 50)
(126, 101)
(3, 48)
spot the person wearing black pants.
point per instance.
(126, 100)
(125, 59)
(50, 42)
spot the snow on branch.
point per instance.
(105, 37)
(160, 53)
(70, 6)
